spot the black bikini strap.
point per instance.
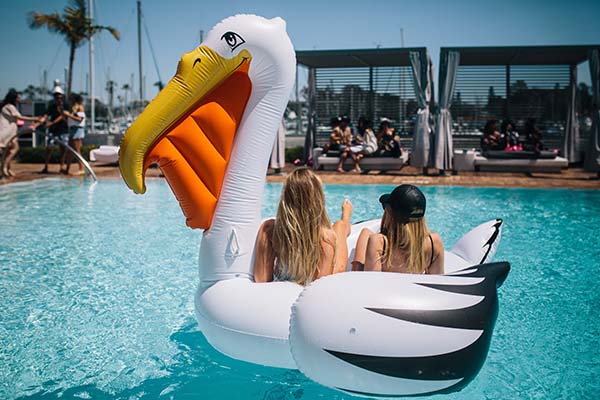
(431, 240)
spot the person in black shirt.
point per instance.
(56, 123)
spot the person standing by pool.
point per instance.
(56, 125)
(405, 244)
(76, 123)
(300, 244)
(9, 115)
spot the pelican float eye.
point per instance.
(233, 40)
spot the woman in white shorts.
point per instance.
(76, 122)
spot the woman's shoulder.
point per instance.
(267, 226)
(376, 239)
(10, 108)
(437, 240)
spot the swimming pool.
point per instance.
(97, 284)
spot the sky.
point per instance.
(174, 28)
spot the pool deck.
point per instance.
(572, 178)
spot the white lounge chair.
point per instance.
(105, 155)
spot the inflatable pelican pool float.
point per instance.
(211, 130)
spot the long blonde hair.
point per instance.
(406, 237)
(300, 226)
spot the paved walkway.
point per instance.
(572, 178)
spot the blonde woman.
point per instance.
(76, 123)
(404, 244)
(300, 244)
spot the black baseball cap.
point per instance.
(407, 203)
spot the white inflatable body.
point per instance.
(372, 334)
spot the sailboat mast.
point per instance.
(91, 41)
(139, 20)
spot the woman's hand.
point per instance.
(346, 210)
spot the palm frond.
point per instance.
(98, 28)
(54, 22)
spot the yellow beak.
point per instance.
(198, 73)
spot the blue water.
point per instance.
(97, 284)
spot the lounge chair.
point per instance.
(105, 155)
(325, 162)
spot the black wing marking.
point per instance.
(460, 364)
(478, 316)
(492, 239)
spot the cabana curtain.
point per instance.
(311, 128)
(421, 71)
(592, 159)
(570, 142)
(278, 152)
(443, 149)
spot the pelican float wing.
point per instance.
(211, 131)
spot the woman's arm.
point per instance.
(264, 254)
(342, 231)
(73, 116)
(26, 118)
(16, 114)
(374, 252)
(360, 253)
(437, 266)
(55, 121)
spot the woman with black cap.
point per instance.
(404, 244)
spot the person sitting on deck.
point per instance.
(533, 137)
(346, 147)
(336, 136)
(511, 136)
(404, 244)
(388, 143)
(300, 244)
(366, 142)
(492, 139)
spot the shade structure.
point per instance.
(422, 71)
(376, 84)
(592, 159)
(518, 83)
(443, 149)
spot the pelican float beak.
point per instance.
(188, 130)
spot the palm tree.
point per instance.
(74, 25)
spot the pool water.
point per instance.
(97, 285)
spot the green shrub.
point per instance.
(293, 153)
(37, 155)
